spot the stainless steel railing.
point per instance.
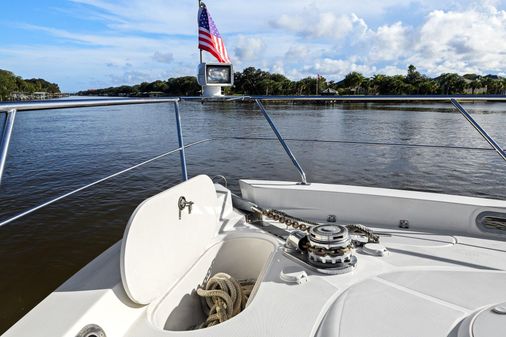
(82, 188)
(283, 143)
(454, 100)
(6, 139)
(82, 103)
(501, 152)
(11, 109)
(356, 98)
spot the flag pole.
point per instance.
(200, 50)
(199, 1)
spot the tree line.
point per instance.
(179, 86)
(414, 83)
(252, 81)
(10, 83)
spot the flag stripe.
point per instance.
(209, 45)
(205, 39)
(213, 52)
(211, 49)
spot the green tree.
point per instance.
(475, 84)
(306, 86)
(353, 80)
(427, 87)
(494, 84)
(183, 86)
(389, 85)
(253, 81)
(7, 84)
(451, 84)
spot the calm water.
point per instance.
(53, 152)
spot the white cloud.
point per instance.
(298, 52)
(131, 77)
(317, 24)
(338, 67)
(392, 70)
(278, 67)
(471, 40)
(389, 42)
(100, 40)
(247, 48)
(149, 39)
(163, 57)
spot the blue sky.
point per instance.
(84, 44)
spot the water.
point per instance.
(53, 152)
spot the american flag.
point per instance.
(209, 38)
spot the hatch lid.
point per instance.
(158, 247)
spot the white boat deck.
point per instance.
(443, 282)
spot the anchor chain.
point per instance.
(286, 219)
(305, 225)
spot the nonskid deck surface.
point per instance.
(428, 284)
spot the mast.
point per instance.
(200, 50)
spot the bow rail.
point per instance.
(11, 109)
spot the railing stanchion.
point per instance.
(6, 139)
(478, 128)
(182, 154)
(283, 143)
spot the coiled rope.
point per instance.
(223, 297)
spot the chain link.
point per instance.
(288, 220)
(305, 225)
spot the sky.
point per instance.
(85, 44)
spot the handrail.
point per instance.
(283, 143)
(352, 142)
(480, 130)
(36, 208)
(6, 139)
(386, 98)
(82, 188)
(258, 100)
(452, 99)
(69, 104)
(12, 108)
(182, 155)
(355, 98)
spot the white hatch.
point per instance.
(155, 249)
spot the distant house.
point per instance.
(477, 85)
(330, 92)
(39, 95)
(471, 79)
(156, 94)
(19, 96)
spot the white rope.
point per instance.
(223, 297)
